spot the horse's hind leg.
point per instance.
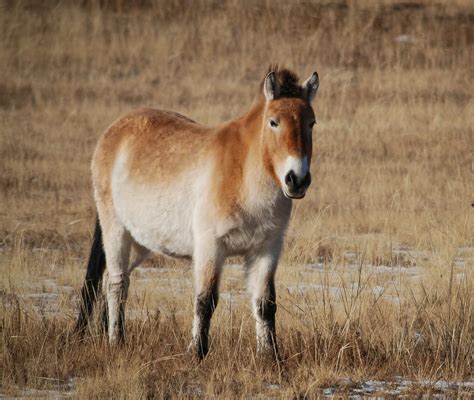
(103, 311)
(117, 243)
(137, 256)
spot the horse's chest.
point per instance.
(250, 234)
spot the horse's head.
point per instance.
(288, 121)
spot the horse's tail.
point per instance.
(91, 287)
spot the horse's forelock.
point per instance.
(288, 81)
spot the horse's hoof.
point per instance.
(197, 350)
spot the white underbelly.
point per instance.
(157, 218)
(158, 215)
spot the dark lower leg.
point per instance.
(265, 310)
(206, 303)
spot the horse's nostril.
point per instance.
(290, 179)
(306, 180)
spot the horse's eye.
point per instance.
(273, 123)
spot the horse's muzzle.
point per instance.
(296, 187)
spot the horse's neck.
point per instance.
(260, 187)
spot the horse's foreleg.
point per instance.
(261, 268)
(207, 270)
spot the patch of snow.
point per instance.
(329, 392)
(148, 271)
(232, 297)
(234, 267)
(405, 39)
(465, 250)
(273, 386)
(378, 291)
(317, 266)
(42, 296)
(60, 390)
(397, 269)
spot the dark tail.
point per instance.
(91, 288)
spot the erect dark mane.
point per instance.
(288, 80)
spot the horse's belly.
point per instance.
(157, 217)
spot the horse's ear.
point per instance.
(271, 87)
(310, 87)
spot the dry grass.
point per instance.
(377, 275)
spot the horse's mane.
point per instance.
(288, 80)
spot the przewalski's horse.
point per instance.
(164, 183)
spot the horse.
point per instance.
(164, 183)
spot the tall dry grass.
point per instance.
(376, 278)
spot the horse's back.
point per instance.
(155, 142)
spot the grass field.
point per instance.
(375, 288)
